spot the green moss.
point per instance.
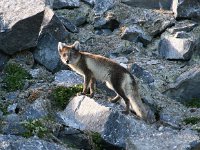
(15, 77)
(3, 108)
(96, 141)
(35, 127)
(195, 102)
(192, 120)
(61, 95)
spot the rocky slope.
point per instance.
(157, 42)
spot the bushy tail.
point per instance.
(140, 108)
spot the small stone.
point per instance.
(12, 108)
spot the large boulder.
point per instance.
(152, 4)
(8, 142)
(20, 23)
(186, 8)
(53, 31)
(84, 113)
(186, 86)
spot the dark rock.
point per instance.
(186, 25)
(12, 108)
(175, 48)
(141, 73)
(12, 125)
(186, 86)
(19, 32)
(59, 4)
(68, 25)
(181, 34)
(186, 8)
(52, 32)
(101, 7)
(19, 143)
(152, 4)
(39, 109)
(90, 2)
(135, 33)
(77, 16)
(3, 60)
(67, 78)
(107, 22)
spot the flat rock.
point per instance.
(8, 142)
(186, 8)
(175, 48)
(186, 86)
(19, 32)
(67, 78)
(59, 4)
(123, 130)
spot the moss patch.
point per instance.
(96, 141)
(192, 120)
(60, 96)
(195, 102)
(15, 77)
(35, 127)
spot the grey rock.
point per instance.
(59, 4)
(1, 114)
(67, 78)
(141, 73)
(3, 60)
(39, 109)
(12, 125)
(186, 25)
(52, 32)
(121, 130)
(101, 7)
(68, 25)
(12, 108)
(186, 86)
(135, 33)
(40, 73)
(19, 32)
(181, 34)
(150, 4)
(19, 143)
(175, 48)
(77, 16)
(11, 96)
(186, 8)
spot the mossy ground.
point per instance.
(15, 77)
(195, 102)
(191, 120)
(60, 96)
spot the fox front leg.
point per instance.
(85, 84)
(92, 86)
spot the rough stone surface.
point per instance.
(102, 6)
(19, 32)
(58, 4)
(67, 78)
(186, 8)
(186, 86)
(68, 25)
(152, 4)
(135, 34)
(86, 114)
(3, 59)
(8, 142)
(38, 109)
(176, 48)
(52, 32)
(90, 2)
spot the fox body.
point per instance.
(96, 67)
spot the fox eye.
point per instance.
(64, 55)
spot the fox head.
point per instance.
(69, 54)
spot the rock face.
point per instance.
(126, 131)
(16, 142)
(58, 4)
(101, 7)
(19, 32)
(152, 4)
(3, 60)
(52, 32)
(186, 8)
(186, 86)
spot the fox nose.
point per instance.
(67, 61)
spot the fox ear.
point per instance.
(60, 46)
(77, 45)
